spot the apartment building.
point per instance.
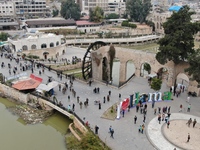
(31, 8)
(108, 6)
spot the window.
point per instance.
(51, 44)
(33, 46)
(57, 43)
(43, 46)
(24, 47)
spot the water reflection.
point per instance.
(18, 136)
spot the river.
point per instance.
(15, 135)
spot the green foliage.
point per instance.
(88, 142)
(194, 69)
(156, 84)
(138, 9)
(127, 24)
(33, 56)
(147, 67)
(69, 9)
(112, 16)
(55, 12)
(97, 14)
(151, 24)
(178, 42)
(4, 36)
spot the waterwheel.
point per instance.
(87, 60)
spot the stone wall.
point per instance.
(53, 52)
(79, 125)
(139, 58)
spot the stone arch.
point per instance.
(51, 44)
(182, 79)
(33, 46)
(130, 69)
(24, 47)
(57, 43)
(45, 54)
(105, 75)
(163, 73)
(145, 69)
(44, 45)
(116, 71)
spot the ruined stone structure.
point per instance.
(139, 58)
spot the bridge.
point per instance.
(131, 40)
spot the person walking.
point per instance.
(110, 129)
(104, 99)
(123, 113)
(109, 93)
(135, 119)
(169, 109)
(144, 118)
(155, 109)
(194, 123)
(189, 107)
(119, 96)
(111, 133)
(159, 118)
(189, 122)
(188, 139)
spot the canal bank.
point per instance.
(15, 134)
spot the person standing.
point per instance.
(109, 93)
(73, 107)
(169, 109)
(168, 123)
(96, 129)
(188, 137)
(159, 118)
(189, 122)
(59, 86)
(194, 123)
(188, 99)
(155, 111)
(99, 105)
(119, 96)
(135, 119)
(142, 128)
(181, 106)
(123, 113)
(110, 129)
(104, 99)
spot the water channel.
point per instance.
(14, 134)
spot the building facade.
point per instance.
(108, 6)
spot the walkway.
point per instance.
(126, 134)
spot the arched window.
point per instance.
(33, 46)
(43, 46)
(51, 44)
(57, 43)
(24, 47)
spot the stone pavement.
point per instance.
(155, 132)
(126, 134)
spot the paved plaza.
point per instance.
(126, 135)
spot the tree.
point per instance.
(69, 9)
(138, 9)
(96, 14)
(156, 84)
(178, 42)
(194, 69)
(55, 12)
(4, 36)
(112, 16)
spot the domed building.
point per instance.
(39, 44)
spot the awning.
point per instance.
(27, 84)
(44, 87)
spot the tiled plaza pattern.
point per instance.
(126, 136)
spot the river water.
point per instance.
(15, 135)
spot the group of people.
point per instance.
(193, 122)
